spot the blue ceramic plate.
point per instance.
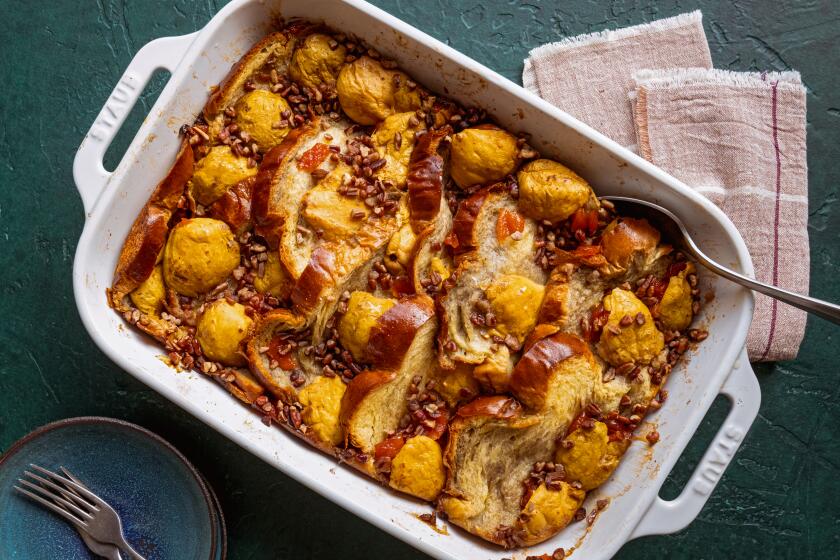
(167, 510)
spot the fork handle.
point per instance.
(827, 310)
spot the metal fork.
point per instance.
(107, 551)
(84, 509)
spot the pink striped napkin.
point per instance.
(738, 138)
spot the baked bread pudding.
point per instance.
(408, 287)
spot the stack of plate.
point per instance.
(167, 508)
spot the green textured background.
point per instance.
(59, 62)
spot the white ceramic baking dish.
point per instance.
(199, 60)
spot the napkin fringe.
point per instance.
(681, 77)
(609, 35)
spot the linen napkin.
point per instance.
(738, 138)
(589, 76)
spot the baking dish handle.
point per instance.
(89, 173)
(669, 516)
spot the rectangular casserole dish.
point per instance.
(202, 59)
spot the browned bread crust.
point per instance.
(234, 206)
(269, 217)
(531, 376)
(393, 333)
(490, 406)
(463, 225)
(147, 235)
(425, 179)
(315, 278)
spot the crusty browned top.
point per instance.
(394, 331)
(314, 278)
(425, 179)
(531, 374)
(266, 222)
(627, 237)
(400, 351)
(495, 406)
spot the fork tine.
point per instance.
(70, 492)
(83, 505)
(70, 476)
(53, 507)
(71, 507)
(95, 500)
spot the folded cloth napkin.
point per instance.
(589, 76)
(737, 138)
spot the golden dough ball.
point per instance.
(418, 468)
(257, 112)
(200, 253)
(399, 250)
(363, 310)
(149, 296)
(634, 342)
(550, 191)
(321, 402)
(592, 457)
(515, 301)
(675, 311)
(368, 93)
(548, 511)
(218, 171)
(220, 331)
(274, 279)
(316, 62)
(482, 155)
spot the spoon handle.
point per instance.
(820, 308)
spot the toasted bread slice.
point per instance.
(430, 263)
(493, 445)
(483, 255)
(401, 347)
(281, 187)
(338, 266)
(147, 236)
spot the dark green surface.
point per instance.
(60, 60)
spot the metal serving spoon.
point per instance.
(674, 229)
